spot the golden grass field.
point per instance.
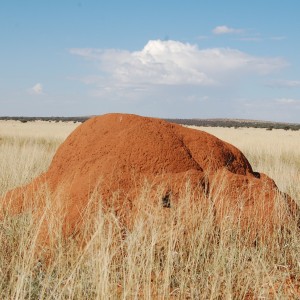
(160, 258)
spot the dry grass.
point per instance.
(161, 257)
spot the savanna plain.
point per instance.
(160, 257)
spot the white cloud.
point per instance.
(37, 89)
(160, 62)
(173, 63)
(223, 29)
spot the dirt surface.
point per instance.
(117, 154)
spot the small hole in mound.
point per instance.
(166, 202)
(256, 174)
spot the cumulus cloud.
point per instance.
(223, 29)
(173, 63)
(37, 89)
(159, 62)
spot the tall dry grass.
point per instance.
(175, 254)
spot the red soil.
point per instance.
(116, 153)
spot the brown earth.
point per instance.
(115, 154)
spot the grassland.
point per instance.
(160, 258)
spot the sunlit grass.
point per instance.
(177, 253)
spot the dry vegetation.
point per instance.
(179, 255)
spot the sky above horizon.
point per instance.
(168, 59)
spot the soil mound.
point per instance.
(116, 154)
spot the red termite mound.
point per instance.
(116, 153)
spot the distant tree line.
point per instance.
(47, 119)
(190, 122)
(235, 123)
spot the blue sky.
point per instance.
(177, 59)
